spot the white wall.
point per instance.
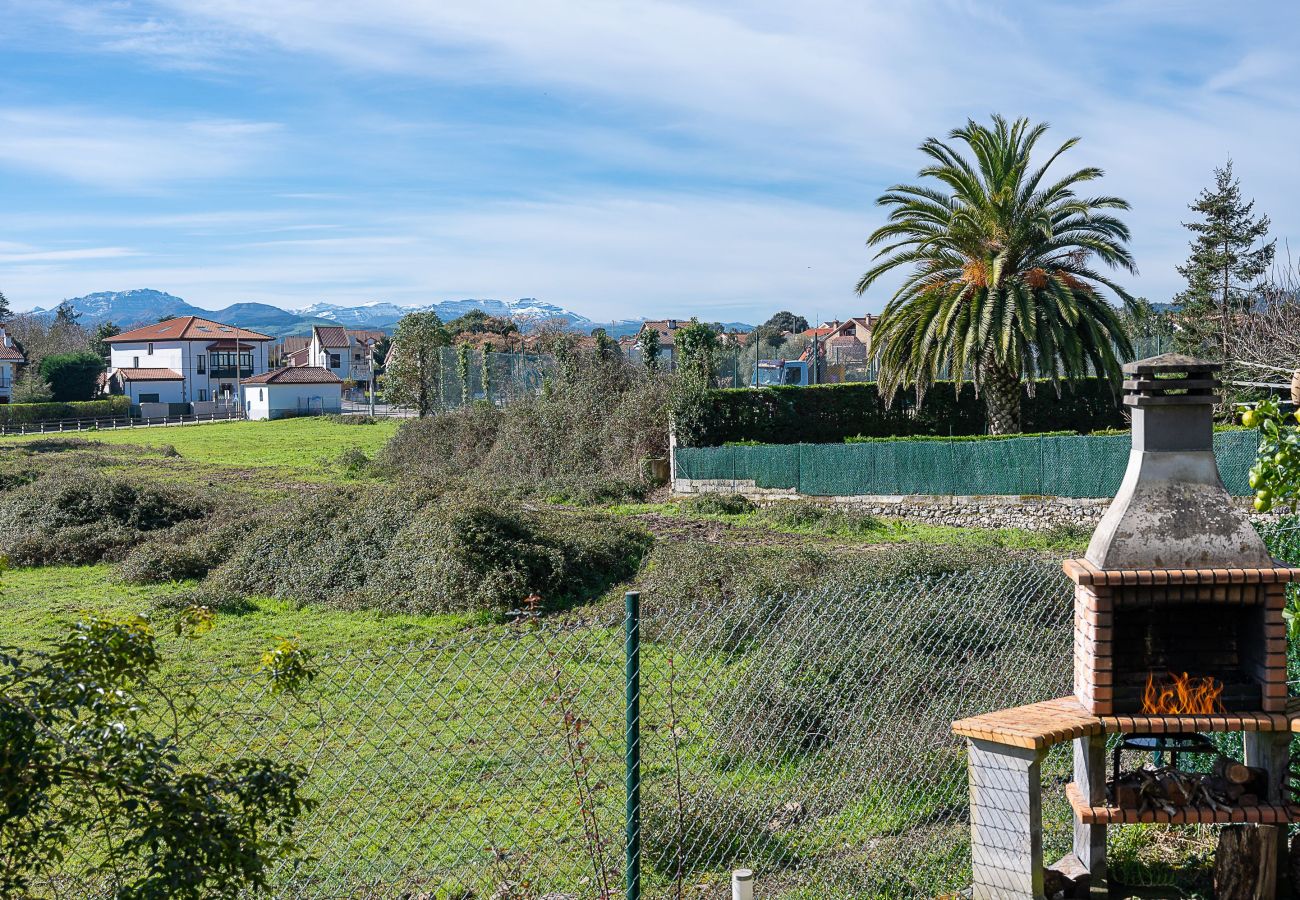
(6, 380)
(274, 401)
(167, 391)
(183, 357)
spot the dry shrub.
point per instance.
(79, 518)
(401, 552)
(580, 440)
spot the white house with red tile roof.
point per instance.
(343, 351)
(11, 357)
(292, 391)
(184, 360)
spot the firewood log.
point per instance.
(1237, 863)
(1231, 770)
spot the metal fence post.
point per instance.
(632, 742)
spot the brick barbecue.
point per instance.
(1178, 632)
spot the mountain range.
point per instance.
(142, 306)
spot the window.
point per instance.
(261, 393)
(135, 362)
(334, 361)
(148, 349)
(148, 398)
(245, 360)
(203, 392)
(201, 363)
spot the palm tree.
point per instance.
(1001, 286)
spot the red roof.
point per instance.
(187, 328)
(295, 375)
(332, 336)
(149, 375)
(11, 353)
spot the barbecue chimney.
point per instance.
(1172, 510)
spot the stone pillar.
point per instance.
(1006, 821)
(1090, 840)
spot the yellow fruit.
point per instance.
(1262, 505)
(1250, 418)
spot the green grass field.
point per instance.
(303, 449)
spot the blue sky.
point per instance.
(618, 158)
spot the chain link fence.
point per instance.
(804, 736)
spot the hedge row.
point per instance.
(829, 414)
(27, 413)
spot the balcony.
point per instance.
(217, 372)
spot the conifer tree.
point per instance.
(1225, 265)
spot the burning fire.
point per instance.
(1181, 695)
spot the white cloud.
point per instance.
(131, 153)
(603, 256)
(11, 255)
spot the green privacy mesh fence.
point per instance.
(1065, 466)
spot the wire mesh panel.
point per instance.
(808, 737)
(484, 765)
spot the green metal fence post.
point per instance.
(632, 737)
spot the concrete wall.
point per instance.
(277, 401)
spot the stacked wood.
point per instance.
(1228, 785)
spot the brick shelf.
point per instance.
(1083, 572)
(1038, 726)
(1263, 814)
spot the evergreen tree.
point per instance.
(1225, 264)
(65, 316)
(786, 321)
(5, 309)
(647, 342)
(99, 338)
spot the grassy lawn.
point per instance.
(37, 604)
(303, 449)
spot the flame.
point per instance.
(1181, 695)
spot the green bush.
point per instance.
(76, 518)
(834, 412)
(719, 505)
(29, 413)
(72, 376)
(809, 516)
(354, 462)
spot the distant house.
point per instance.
(292, 391)
(287, 348)
(667, 329)
(184, 360)
(850, 341)
(11, 357)
(842, 343)
(342, 351)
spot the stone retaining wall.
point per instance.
(1033, 513)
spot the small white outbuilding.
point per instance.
(292, 391)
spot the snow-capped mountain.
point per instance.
(378, 313)
(139, 305)
(142, 306)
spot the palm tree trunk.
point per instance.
(1001, 387)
